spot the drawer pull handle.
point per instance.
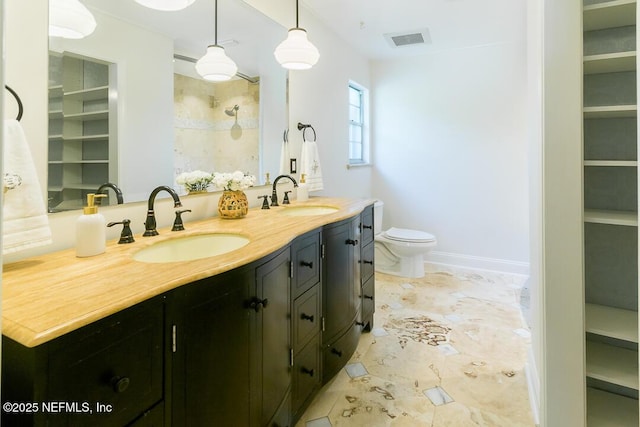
(351, 242)
(367, 227)
(306, 264)
(360, 323)
(304, 316)
(336, 352)
(120, 384)
(368, 297)
(367, 262)
(307, 371)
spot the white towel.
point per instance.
(310, 165)
(25, 222)
(284, 158)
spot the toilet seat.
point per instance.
(407, 235)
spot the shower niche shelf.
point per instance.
(610, 211)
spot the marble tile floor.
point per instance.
(448, 349)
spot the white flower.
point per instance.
(233, 181)
(195, 180)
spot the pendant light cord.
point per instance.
(215, 20)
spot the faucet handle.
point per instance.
(265, 203)
(177, 223)
(126, 236)
(285, 201)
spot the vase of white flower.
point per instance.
(195, 182)
(233, 202)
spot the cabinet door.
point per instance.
(272, 339)
(341, 280)
(211, 352)
(306, 262)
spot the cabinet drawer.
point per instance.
(306, 375)
(367, 262)
(306, 317)
(336, 355)
(116, 364)
(368, 300)
(367, 225)
(306, 262)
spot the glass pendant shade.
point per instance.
(297, 52)
(215, 65)
(168, 5)
(70, 19)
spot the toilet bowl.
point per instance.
(400, 251)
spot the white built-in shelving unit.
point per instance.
(82, 145)
(611, 211)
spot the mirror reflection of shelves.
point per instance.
(610, 211)
(82, 145)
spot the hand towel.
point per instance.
(310, 165)
(25, 221)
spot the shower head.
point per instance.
(232, 111)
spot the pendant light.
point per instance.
(215, 65)
(70, 19)
(297, 52)
(167, 5)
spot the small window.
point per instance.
(358, 150)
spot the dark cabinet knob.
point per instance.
(257, 303)
(351, 242)
(367, 227)
(368, 297)
(360, 323)
(364, 261)
(336, 352)
(304, 316)
(120, 384)
(307, 371)
(306, 264)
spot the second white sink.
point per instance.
(192, 247)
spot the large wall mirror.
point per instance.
(127, 107)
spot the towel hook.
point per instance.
(303, 127)
(15, 95)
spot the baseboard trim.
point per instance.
(475, 262)
(533, 385)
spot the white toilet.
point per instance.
(400, 251)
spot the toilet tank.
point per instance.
(377, 217)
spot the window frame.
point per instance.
(362, 124)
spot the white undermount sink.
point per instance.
(192, 247)
(307, 210)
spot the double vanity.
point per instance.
(228, 323)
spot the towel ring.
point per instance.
(303, 127)
(20, 107)
(285, 135)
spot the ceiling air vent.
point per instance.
(408, 38)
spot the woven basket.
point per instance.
(233, 204)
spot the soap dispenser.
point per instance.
(303, 190)
(91, 237)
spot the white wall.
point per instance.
(320, 97)
(450, 156)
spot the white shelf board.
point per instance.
(610, 111)
(609, 14)
(91, 94)
(611, 322)
(610, 410)
(88, 116)
(615, 365)
(611, 217)
(617, 163)
(609, 63)
(103, 137)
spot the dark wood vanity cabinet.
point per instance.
(109, 373)
(248, 347)
(231, 351)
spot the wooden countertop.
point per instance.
(47, 296)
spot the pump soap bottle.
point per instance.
(91, 236)
(303, 191)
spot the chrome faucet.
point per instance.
(150, 224)
(274, 193)
(115, 189)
